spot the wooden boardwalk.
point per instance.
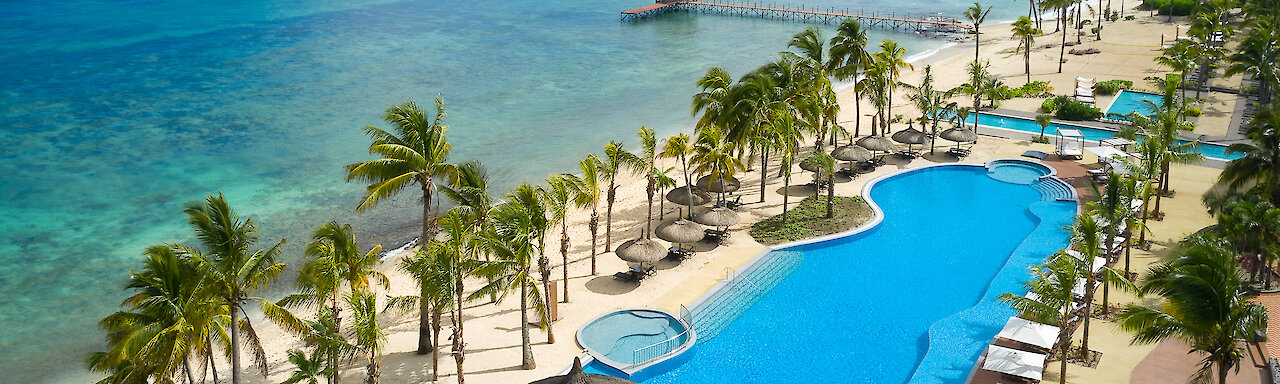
(801, 14)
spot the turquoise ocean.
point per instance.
(114, 113)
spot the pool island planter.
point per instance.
(656, 356)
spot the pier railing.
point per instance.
(829, 15)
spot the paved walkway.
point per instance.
(1170, 363)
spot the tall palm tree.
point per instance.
(511, 243)
(232, 271)
(931, 102)
(1181, 58)
(679, 147)
(365, 333)
(557, 197)
(1026, 33)
(978, 76)
(415, 151)
(533, 216)
(848, 56)
(714, 156)
(433, 268)
(588, 194)
(615, 161)
(714, 101)
(1260, 163)
(647, 165)
(1085, 235)
(1257, 57)
(1053, 282)
(825, 165)
(875, 87)
(894, 59)
(1205, 305)
(976, 16)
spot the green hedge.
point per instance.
(1068, 109)
(1110, 87)
(1180, 7)
(1048, 106)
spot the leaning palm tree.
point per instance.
(587, 194)
(615, 161)
(511, 243)
(1205, 305)
(931, 102)
(415, 151)
(435, 269)
(714, 101)
(1260, 161)
(1026, 34)
(976, 16)
(848, 56)
(232, 271)
(1053, 283)
(679, 147)
(365, 333)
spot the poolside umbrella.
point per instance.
(811, 166)
(876, 143)
(1014, 362)
(959, 135)
(1030, 332)
(722, 185)
(681, 231)
(851, 153)
(717, 217)
(909, 136)
(641, 251)
(683, 194)
(577, 376)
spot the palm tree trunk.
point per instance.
(213, 368)
(831, 193)
(459, 344)
(436, 314)
(426, 215)
(1026, 58)
(543, 266)
(1223, 367)
(857, 110)
(764, 159)
(186, 366)
(608, 213)
(648, 222)
(594, 225)
(1088, 312)
(525, 351)
(235, 344)
(688, 183)
(1106, 288)
(1064, 342)
(373, 370)
(425, 337)
(786, 184)
(564, 255)
(1062, 49)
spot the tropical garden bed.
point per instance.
(808, 219)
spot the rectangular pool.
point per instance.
(1093, 134)
(1127, 102)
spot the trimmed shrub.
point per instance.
(1110, 87)
(1193, 111)
(1076, 111)
(1180, 7)
(1032, 89)
(1048, 106)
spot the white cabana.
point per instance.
(1014, 362)
(1030, 332)
(1116, 141)
(1070, 141)
(1078, 289)
(1098, 262)
(1106, 152)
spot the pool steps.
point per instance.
(744, 289)
(1053, 189)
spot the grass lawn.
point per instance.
(809, 219)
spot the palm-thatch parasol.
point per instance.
(722, 185)
(959, 135)
(681, 232)
(641, 251)
(910, 136)
(683, 194)
(876, 143)
(717, 217)
(851, 153)
(811, 166)
(577, 376)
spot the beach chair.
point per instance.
(636, 273)
(959, 153)
(677, 253)
(717, 236)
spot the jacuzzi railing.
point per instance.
(660, 348)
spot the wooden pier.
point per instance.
(892, 21)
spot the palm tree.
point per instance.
(415, 151)
(588, 194)
(663, 180)
(1181, 58)
(511, 243)
(534, 213)
(715, 101)
(557, 197)
(1260, 163)
(825, 165)
(1053, 282)
(433, 267)
(874, 85)
(848, 56)
(366, 335)
(1251, 228)
(976, 16)
(615, 161)
(679, 147)
(930, 101)
(231, 271)
(894, 59)
(1084, 235)
(1112, 209)
(1205, 305)
(714, 156)
(1023, 30)
(646, 165)
(308, 369)
(976, 87)
(1257, 57)
(1164, 127)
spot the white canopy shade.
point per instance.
(1106, 152)
(1030, 332)
(1116, 141)
(1098, 262)
(1014, 362)
(1073, 133)
(1078, 289)
(1119, 166)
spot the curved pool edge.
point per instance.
(632, 370)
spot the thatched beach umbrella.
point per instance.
(717, 217)
(722, 185)
(876, 143)
(681, 232)
(809, 166)
(910, 136)
(641, 251)
(683, 194)
(851, 153)
(959, 135)
(577, 376)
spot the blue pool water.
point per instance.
(912, 299)
(1127, 102)
(619, 334)
(1017, 172)
(1094, 134)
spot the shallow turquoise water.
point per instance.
(1127, 102)
(913, 299)
(115, 113)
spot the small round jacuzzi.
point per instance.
(1017, 171)
(631, 339)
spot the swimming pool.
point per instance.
(912, 299)
(631, 338)
(1127, 102)
(1092, 134)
